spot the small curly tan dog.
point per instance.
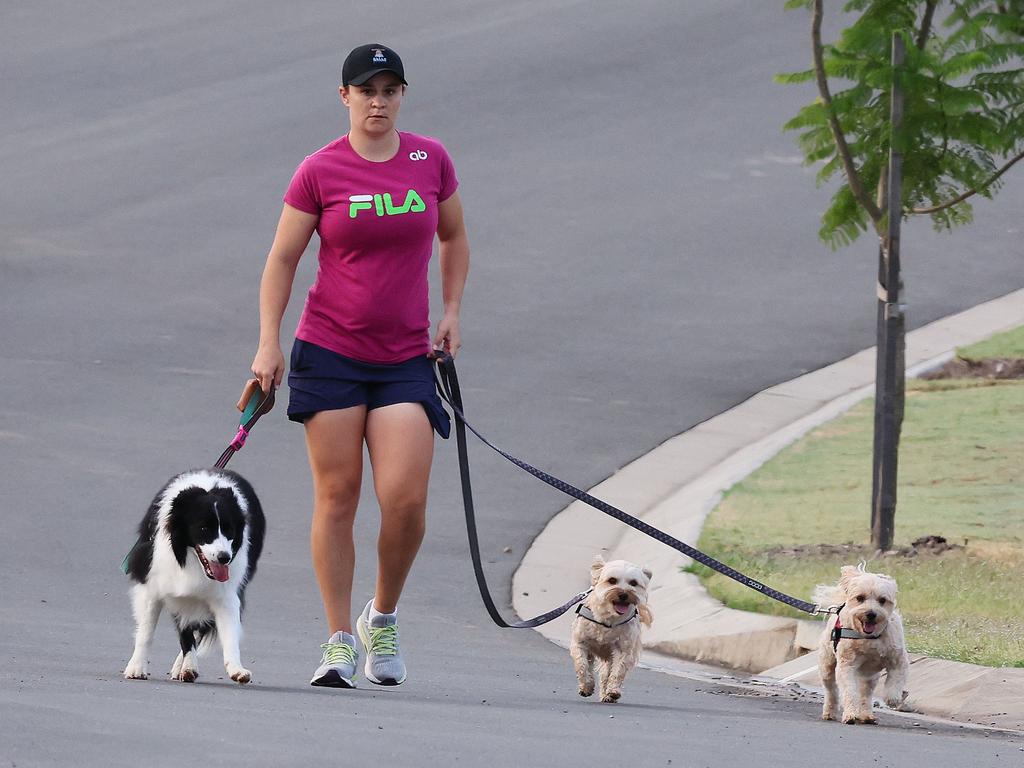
(607, 626)
(863, 641)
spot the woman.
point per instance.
(360, 367)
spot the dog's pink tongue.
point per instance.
(621, 608)
(869, 629)
(220, 572)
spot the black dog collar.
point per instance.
(586, 613)
(839, 632)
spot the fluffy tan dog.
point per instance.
(606, 629)
(862, 642)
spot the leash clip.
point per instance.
(240, 438)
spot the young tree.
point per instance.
(963, 123)
(960, 89)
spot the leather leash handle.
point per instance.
(252, 386)
(253, 403)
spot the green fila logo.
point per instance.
(383, 204)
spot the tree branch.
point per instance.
(852, 177)
(969, 193)
(926, 24)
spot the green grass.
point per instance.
(961, 476)
(1008, 344)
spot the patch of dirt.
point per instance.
(930, 545)
(853, 553)
(989, 368)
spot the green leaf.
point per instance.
(791, 78)
(963, 105)
(812, 114)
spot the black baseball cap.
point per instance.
(368, 60)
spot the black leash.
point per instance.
(448, 383)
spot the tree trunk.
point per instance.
(890, 370)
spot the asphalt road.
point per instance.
(644, 257)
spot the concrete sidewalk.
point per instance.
(675, 486)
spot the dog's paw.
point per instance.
(610, 697)
(135, 671)
(240, 675)
(587, 690)
(828, 714)
(859, 720)
(896, 700)
(184, 669)
(186, 675)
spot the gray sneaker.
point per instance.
(384, 665)
(338, 666)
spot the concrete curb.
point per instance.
(675, 486)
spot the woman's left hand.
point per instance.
(447, 338)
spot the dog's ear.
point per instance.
(848, 574)
(647, 572)
(646, 617)
(595, 569)
(178, 529)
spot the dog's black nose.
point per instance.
(871, 616)
(224, 558)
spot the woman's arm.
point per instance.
(293, 232)
(454, 253)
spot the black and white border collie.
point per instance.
(197, 549)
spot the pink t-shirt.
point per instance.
(377, 224)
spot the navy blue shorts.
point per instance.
(322, 380)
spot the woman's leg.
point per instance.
(334, 440)
(401, 445)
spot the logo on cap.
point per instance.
(379, 57)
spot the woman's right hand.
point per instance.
(268, 365)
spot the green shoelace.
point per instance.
(335, 653)
(383, 640)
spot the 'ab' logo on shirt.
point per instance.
(384, 206)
